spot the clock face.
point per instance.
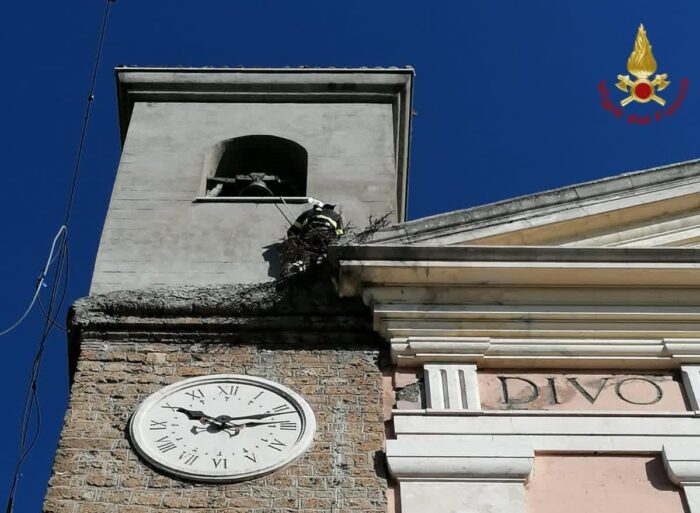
(222, 427)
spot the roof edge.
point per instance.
(466, 253)
(218, 69)
(678, 173)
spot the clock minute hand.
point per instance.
(250, 424)
(257, 416)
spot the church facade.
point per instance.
(536, 355)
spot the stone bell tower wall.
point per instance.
(128, 345)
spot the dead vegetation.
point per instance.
(299, 252)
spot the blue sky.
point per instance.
(506, 104)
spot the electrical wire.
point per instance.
(66, 280)
(88, 109)
(46, 316)
(31, 400)
(39, 283)
(31, 408)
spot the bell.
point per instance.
(256, 188)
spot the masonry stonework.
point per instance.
(334, 362)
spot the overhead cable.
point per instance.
(31, 403)
(40, 281)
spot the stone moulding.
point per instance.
(464, 461)
(542, 353)
(530, 306)
(518, 273)
(500, 449)
(682, 462)
(287, 312)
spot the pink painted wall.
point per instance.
(601, 484)
(585, 391)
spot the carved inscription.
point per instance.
(580, 391)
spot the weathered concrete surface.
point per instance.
(156, 234)
(307, 293)
(294, 310)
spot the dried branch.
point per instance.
(299, 252)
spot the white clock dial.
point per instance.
(222, 428)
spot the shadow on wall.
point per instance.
(657, 475)
(271, 255)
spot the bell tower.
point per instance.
(198, 381)
(214, 159)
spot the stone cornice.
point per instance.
(528, 306)
(573, 353)
(520, 266)
(289, 311)
(223, 85)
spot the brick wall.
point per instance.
(123, 360)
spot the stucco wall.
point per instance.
(604, 484)
(155, 234)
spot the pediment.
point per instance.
(653, 208)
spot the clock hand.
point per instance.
(254, 417)
(249, 424)
(223, 421)
(194, 414)
(198, 415)
(233, 431)
(236, 432)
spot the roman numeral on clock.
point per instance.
(157, 425)
(219, 462)
(250, 455)
(169, 407)
(276, 444)
(228, 390)
(281, 408)
(288, 426)
(165, 444)
(189, 458)
(195, 394)
(254, 398)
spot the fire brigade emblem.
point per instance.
(642, 65)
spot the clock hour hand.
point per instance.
(198, 415)
(193, 414)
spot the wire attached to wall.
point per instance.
(59, 287)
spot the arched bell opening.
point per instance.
(258, 166)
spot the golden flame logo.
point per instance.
(642, 65)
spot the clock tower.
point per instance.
(201, 379)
